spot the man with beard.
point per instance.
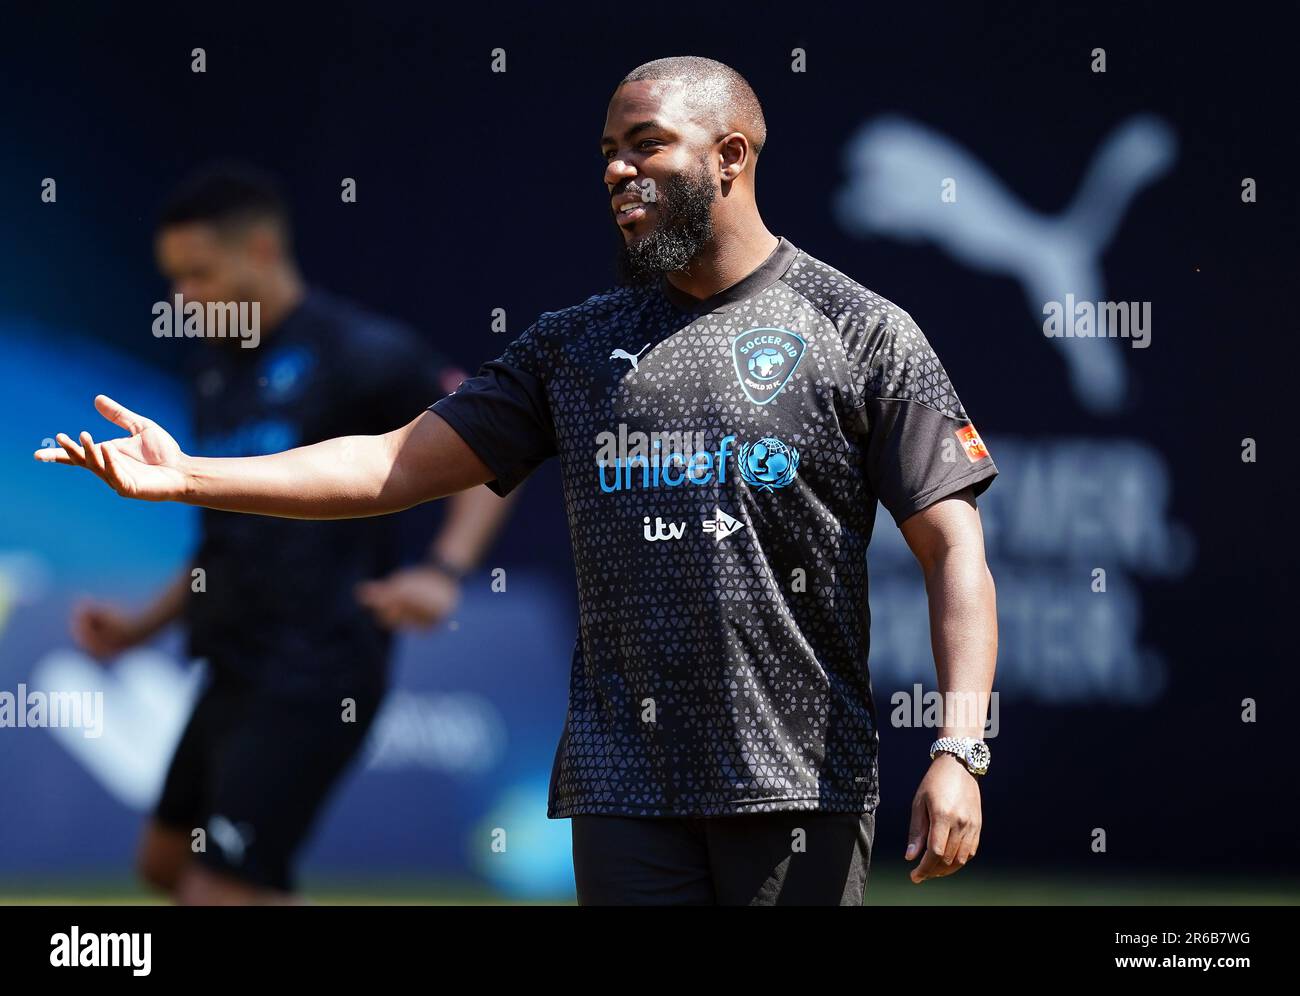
(726, 420)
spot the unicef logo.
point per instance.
(768, 464)
(766, 363)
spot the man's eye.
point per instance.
(642, 146)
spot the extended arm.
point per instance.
(346, 477)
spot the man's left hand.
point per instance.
(946, 819)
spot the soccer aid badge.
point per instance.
(765, 361)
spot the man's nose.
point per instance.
(617, 171)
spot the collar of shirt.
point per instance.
(764, 275)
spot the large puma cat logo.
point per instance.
(896, 167)
(623, 354)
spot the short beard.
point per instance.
(685, 226)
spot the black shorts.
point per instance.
(252, 770)
(761, 859)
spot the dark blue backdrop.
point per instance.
(1120, 710)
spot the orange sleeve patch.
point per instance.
(971, 443)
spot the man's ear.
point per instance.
(735, 156)
(264, 244)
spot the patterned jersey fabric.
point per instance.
(721, 464)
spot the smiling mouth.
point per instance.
(630, 214)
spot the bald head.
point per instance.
(680, 143)
(718, 95)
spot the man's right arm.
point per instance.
(346, 477)
(343, 478)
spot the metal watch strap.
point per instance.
(961, 748)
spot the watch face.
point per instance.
(979, 755)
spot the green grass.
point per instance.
(889, 886)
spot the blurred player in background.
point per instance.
(727, 422)
(293, 617)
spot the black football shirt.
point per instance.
(279, 607)
(721, 464)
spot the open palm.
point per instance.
(144, 465)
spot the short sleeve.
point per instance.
(921, 445)
(502, 412)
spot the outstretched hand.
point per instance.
(147, 464)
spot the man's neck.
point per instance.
(727, 260)
(282, 294)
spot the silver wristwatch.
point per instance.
(975, 754)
